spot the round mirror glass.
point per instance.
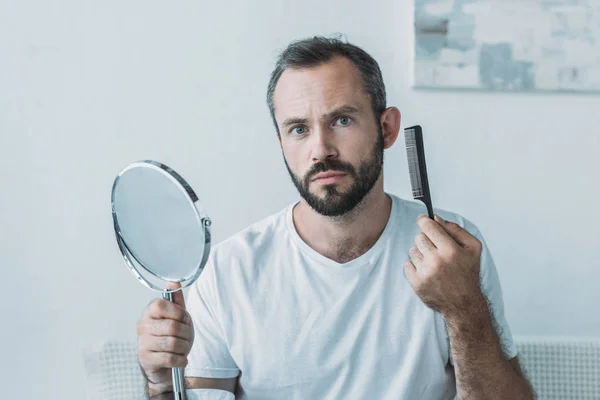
(159, 223)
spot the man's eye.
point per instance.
(299, 130)
(343, 121)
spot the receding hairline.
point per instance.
(356, 71)
(317, 50)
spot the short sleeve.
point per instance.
(490, 285)
(209, 356)
(208, 394)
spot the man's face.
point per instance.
(327, 126)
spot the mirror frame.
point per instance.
(201, 214)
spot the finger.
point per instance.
(424, 244)
(167, 344)
(416, 257)
(163, 359)
(410, 272)
(438, 235)
(169, 327)
(458, 234)
(165, 309)
(178, 295)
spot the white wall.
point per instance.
(87, 87)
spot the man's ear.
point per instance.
(390, 126)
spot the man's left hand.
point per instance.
(444, 266)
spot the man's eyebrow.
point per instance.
(345, 109)
(293, 121)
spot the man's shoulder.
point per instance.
(254, 238)
(411, 209)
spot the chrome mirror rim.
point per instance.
(199, 213)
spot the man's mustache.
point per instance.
(325, 166)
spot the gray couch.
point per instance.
(558, 368)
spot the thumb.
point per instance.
(178, 297)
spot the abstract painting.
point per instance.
(508, 44)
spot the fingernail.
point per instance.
(187, 318)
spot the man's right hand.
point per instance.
(165, 336)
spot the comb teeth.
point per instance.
(416, 181)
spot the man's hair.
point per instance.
(318, 50)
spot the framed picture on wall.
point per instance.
(507, 45)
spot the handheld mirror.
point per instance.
(162, 231)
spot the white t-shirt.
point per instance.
(295, 324)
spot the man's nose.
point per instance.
(323, 147)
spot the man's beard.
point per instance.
(336, 203)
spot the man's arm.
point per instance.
(444, 271)
(227, 384)
(481, 369)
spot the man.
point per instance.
(349, 293)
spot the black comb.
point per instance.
(417, 169)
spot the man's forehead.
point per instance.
(326, 86)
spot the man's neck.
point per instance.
(349, 236)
